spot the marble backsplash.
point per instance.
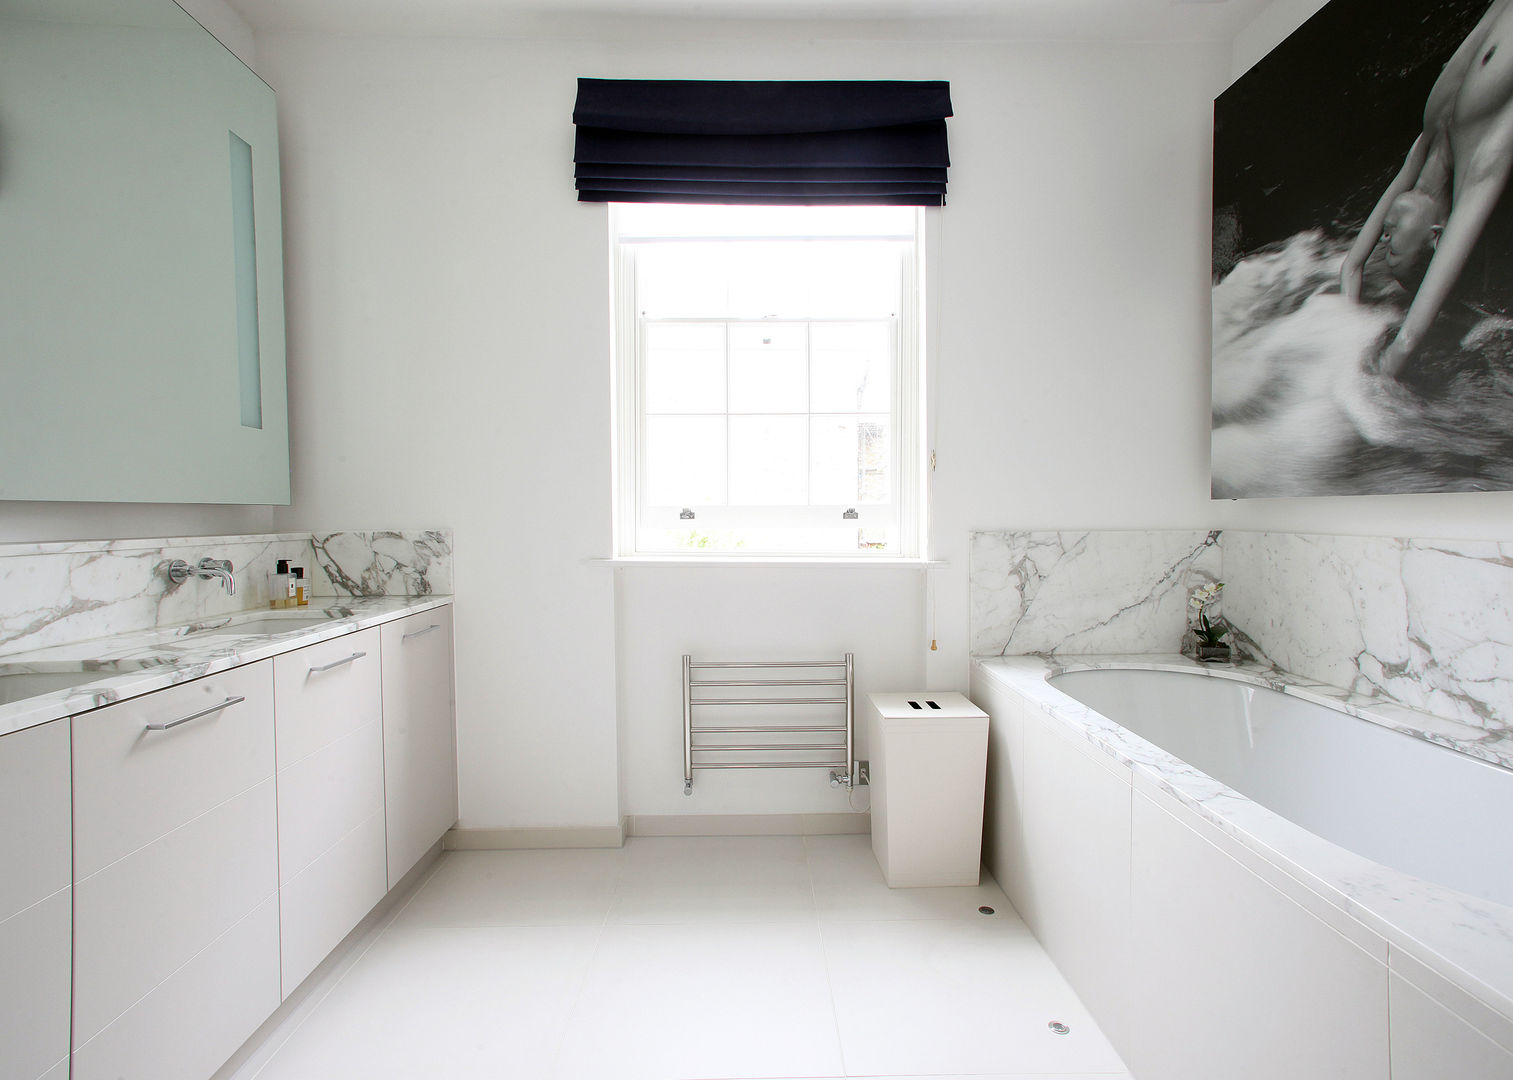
(1086, 592)
(56, 593)
(1424, 623)
(385, 563)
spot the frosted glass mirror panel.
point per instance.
(141, 261)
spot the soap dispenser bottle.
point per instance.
(301, 589)
(278, 585)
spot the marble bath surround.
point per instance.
(1418, 634)
(89, 623)
(1399, 919)
(1086, 592)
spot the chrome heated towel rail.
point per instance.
(756, 683)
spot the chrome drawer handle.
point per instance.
(417, 633)
(338, 663)
(195, 716)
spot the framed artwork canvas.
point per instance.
(1363, 256)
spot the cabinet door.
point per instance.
(328, 720)
(175, 828)
(35, 900)
(420, 748)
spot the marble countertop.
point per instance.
(107, 670)
(1464, 939)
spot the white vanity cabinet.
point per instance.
(174, 865)
(329, 733)
(176, 934)
(420, 746)
(36, 900)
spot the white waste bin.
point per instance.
(928, 768)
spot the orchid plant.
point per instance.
(1208, 631)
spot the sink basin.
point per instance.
(20, 685)
(264, 627)
(33, 678)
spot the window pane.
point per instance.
(689, 280)
(851, 367)
(685, 368)
(685, 460)
(768, 460)
(849, 460)
(770, 377)
(801, 279)
(744, 279)
(768, 371)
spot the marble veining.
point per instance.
(53, 594)
(97, 590)
(1420, 626)
(385, 563)
(140, 662)
(1086, 592)
(1464, 939)
(1427, 624)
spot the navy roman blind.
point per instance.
(796, 143)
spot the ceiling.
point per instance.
(934, 20)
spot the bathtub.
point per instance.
(1383, 794)
(1246, 875)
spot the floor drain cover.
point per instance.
(985, 910)
(1058, 1028)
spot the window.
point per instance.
(768, 380)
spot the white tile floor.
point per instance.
(682, 958)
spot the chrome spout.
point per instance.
(217, 569)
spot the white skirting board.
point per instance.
(571, 836)
(602, 836)
(748, 824)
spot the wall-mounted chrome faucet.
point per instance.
(179, 571)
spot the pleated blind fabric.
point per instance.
(877, 143)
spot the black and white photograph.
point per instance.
(1363, 256)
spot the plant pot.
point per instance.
(1213, 654)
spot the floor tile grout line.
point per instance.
(560, 1046)
(835, 1014)
(360, 949)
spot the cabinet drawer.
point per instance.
(323, 797)
(193, 1021)
(420, 749)
(36, 903)
(34, 816)
(34, 978)
(321, 905)
(133, 785)
(324, 692)
(142, 917)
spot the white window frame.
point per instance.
(905, 513)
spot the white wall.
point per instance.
(448, 339)
(448, 354)
(752, 613)
(1071, 387)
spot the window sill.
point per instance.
(846, 561)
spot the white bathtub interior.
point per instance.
(1399, 801)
